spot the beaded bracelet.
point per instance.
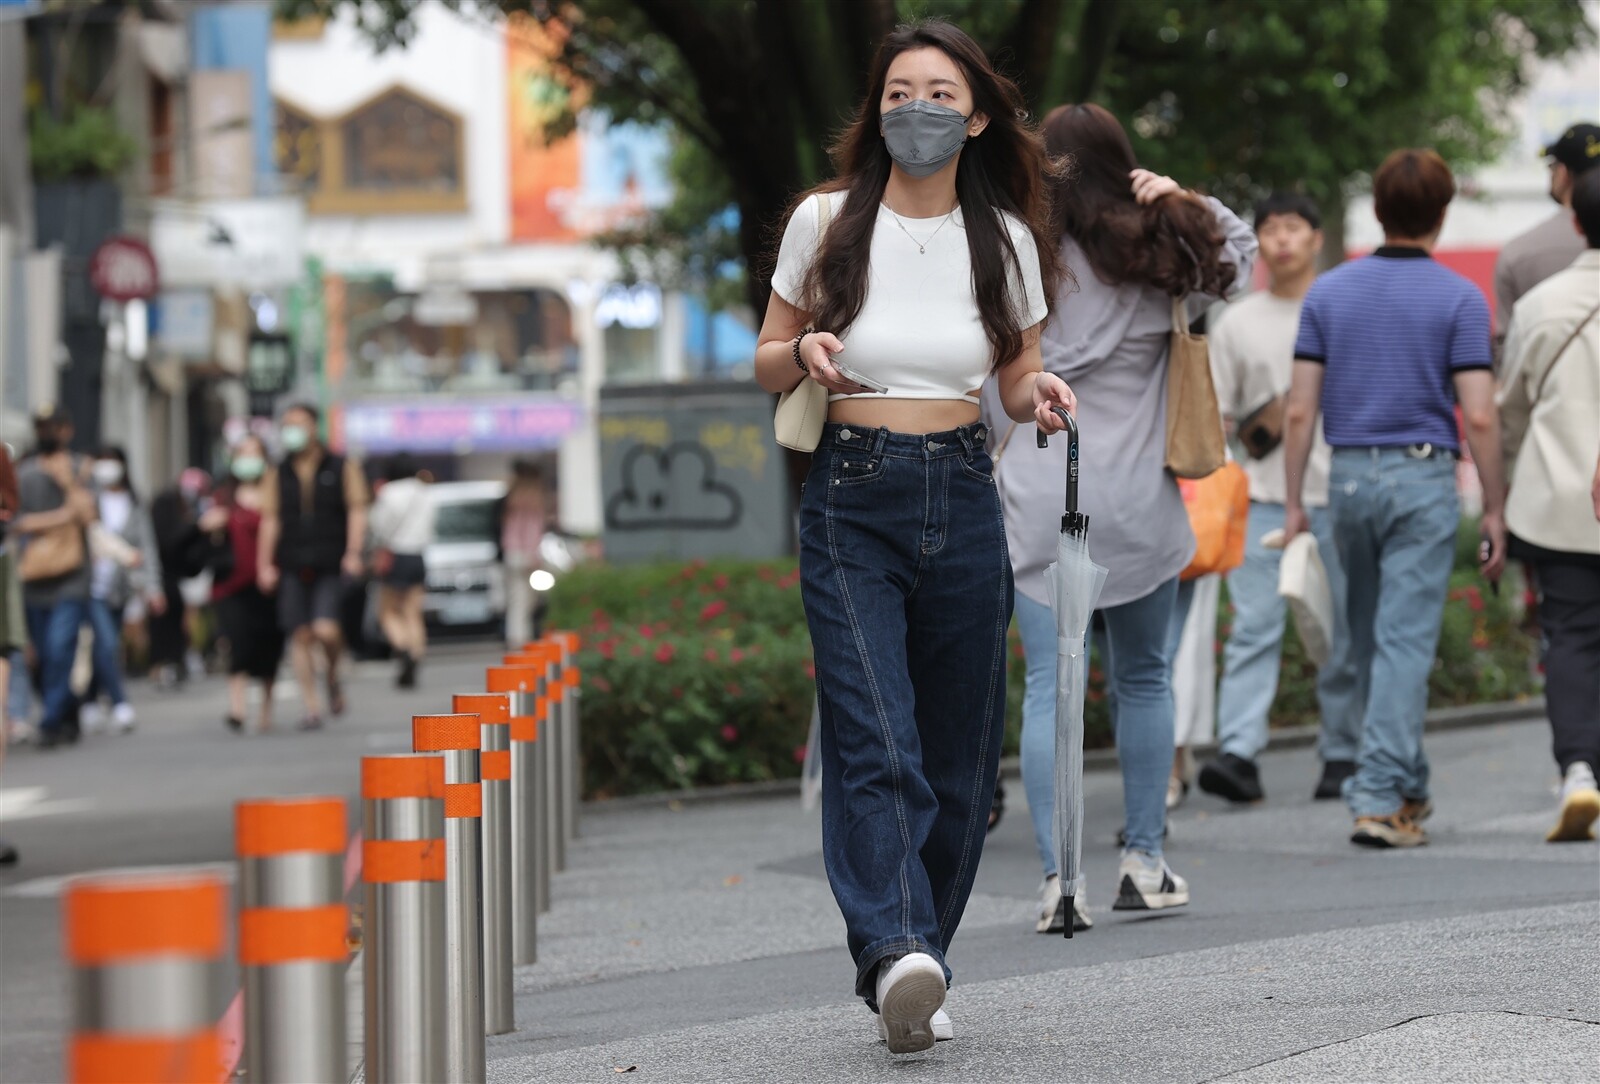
(798, 363)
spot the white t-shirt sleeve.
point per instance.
(796, 252)
(1027, 293)
(1225, 363)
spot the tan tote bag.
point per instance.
(1196, 446)
(803, 409)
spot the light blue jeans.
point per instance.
(1394, 523)
(1254, 653)
(1138, 666)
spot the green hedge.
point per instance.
(700, 674)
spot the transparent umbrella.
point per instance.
(1073, 583)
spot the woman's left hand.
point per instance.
(1049, 392)
(1149, 187)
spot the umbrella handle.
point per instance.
(1074, 522)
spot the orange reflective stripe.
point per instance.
(573, 641)
(495, 764)
(493, 707)
(402, 777)
(130, 1059)
(433, 733)
(281, 935)
(463, 800)
(118, 919)
(512, 679)
(524, 728)
(572, 677)
(387, 861)
(270, 826)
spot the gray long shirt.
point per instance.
(1111, 343)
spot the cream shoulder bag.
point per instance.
(803, 409)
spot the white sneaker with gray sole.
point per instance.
(1053, 909)
(910, 991)
(943, 1029)
(1147, 883)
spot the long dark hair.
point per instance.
(1004, 169)
(1173, 244)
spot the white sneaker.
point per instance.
(1053, 909)
(92, 717)
(910, 991)
(1147, 883)
(943, 1029)
(124, 717)
(22, 732)
(1580, 805)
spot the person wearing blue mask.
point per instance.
(923, 271)
(313, 525)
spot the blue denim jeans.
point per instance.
(907, 589)
(1394, 523)
(107, 625)
(54, 632)
(1254, 653)
(1137, 649)
(19, 694)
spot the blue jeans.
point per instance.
(907, 589)
(1394, 523)
(107, 625)
(1138, 647)
(1254, 653)
(54, 632)
(19, 696)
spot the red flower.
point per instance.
(735, 655)
(712, 656)
(1474, 600)
(811, 670)
(607, 649)
(713, 610)
(730, 733)
(799, 754)
(647, 632)
(733, 690)
(765, 573)
(665, 652)
(720, 582)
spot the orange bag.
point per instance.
(1219, 509)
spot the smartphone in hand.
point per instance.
(859, 378)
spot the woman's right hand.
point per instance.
(817, 350)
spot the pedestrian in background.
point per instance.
(1134, 240)
(13, 626)
(1252, 361)
(1387, 347)
(1550, 411)
(126, 567)
(173, 514)
(402, 530)
(56, 509)
(1531, 257)
(924, 269)
(523, 517)
(247, 618)
(313, 525)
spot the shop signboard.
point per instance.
(525, 423)
(251, 244)
(124, 269)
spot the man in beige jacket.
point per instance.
(1550, 415)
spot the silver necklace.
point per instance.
(922, 246)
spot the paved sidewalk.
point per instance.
(702, 944)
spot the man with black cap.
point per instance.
(52, 523)
(1529, 258)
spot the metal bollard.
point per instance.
(459, 741)
(146, 952)
(292, 938)
(530, 873)
(403, 868)
(572, 761)
(494, 710)
(546, 657)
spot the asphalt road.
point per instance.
(701, 943)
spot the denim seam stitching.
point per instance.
(883, 727)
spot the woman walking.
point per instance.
(128, 568)
(248, 618)
(1135, 240)
(522, 516)
(924, 268)
(402, 529)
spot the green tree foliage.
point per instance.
(1233, 96)
(87, 143)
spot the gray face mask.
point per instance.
(922, 137)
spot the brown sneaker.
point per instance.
(1416, 810)
(1394, 830)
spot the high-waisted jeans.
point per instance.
(907, 588)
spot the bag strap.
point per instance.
(1543, 380)
(1180, 321)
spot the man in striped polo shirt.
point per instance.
(1387, 348)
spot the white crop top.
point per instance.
(918, 332)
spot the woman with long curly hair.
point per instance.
(1134, 240)
(925, 269)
